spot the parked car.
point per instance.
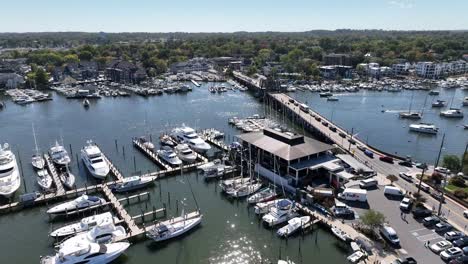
(386, 159)
(406, 176)
(318, 119)
(443, 227)
(393, 191)
(441, 170)
(424, 187)
(407, 260)
(406, 163)
(460, 260)
(451, 253)
(352, 141)
(453, 235)
(361, 147)
(461, 243)
(341, 134)
(420, 165)
(369, 153)
(332, 128)
(421, 212)
(440, 246)
(465, 251)
(343, 212)
(389, 234)
(291, 100)
(431, 221)
(405, 204)
(324, 123)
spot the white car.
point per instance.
(465, 213)
(405, 204)
(440, 246)
(441, 169)
(406, 176)
(451, 253)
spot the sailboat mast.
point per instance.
(411, 102)
(35, 140)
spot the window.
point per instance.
(92, 256)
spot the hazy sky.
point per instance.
(230, 15)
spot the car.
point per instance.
(407, 260)
(420, 165)
(461, 243)
(465, 213)
(453, 235)
(441, 170)
(386, 159)
(341, 134)
(368, 183)
(421, 212)
(440, 246)
(438, 196)
(460, 260)
(405, 204)
(332, 128)
(369, 153)
(291, 100)
(389, 234)
(296, 103)
(318, 119)
(361, 148)
(406, 163)
(324, 123)
(406, 176)
(442, 227)
(431, 221)
(352, 141)
(343, 212)
(451, 253)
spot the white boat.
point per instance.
(9, 175)
(465, 101)
(44, 180)
(38, 162)
(209, 165)
(452, 113)
(93, 159)
(104, 232)
(67, 178)
(169, 156)
(293, 225)
(263, 208)
(133, 183)
(424, 128)
(166, 140)
(285, 262)
(332, 98)
(185, 153)
(174, 227)
(215, 172)
(59, 155)
(264, 195)
(283, 211)
(340, 234)
(230, 184)
(438, 103)
(85, 252)
(355, 257)
(410, 115)
(84, 225)
(86, 103)
(81, 202)
(187, 135)
(244, 190)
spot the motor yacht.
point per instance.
(283, 211)
(187, 135)
(93, 159)
(133, 183)
(264, 207)
(104, 232)
(9, 175)
(81, 202)
(59, 155)
(85, 252)
(209, 165)
(452, 113)
(263, 195)
(82, 226)
(168, 155)
(244, 190)
(44, 180)
(293, 225)
(424, 128)
(438, 103)
(185, 153)
(174, 227)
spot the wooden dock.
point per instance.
(113, 170)
(53, 173)
(121, 212)
(206, 135)
(153, 156)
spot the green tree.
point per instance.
(458, 181)
(392, 178)
(372, 219)
(71, 58)
(85, 55)
(452, 162)
(42, 78)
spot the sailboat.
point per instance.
(248, 188)
(409, 114)
(37, 161)
(175, 227)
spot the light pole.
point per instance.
(441, 199)
(424, 167)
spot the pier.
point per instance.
(53, 173)
(206, 135)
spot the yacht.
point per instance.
(94, 161)
(263, 208)
(146, 143)
(9, 175)
(81, 202)
(67, 178)
(231, 184)
(424, 128)
(187, 135)
(59, 155)
(438, 103)
(452, 113)
(285, 262)
(411, 115)
(174, 227)
(283, 211)
(104, 232)
(185, 153)
(167, 141)
(133, 183)
(465, 101)
(244, 190)
(84, 225)
(340, 234)
(44, 180)
(169, 156)
(264, 195)
(293, 225)
(325, 94)
(85, 252)
(38, 162)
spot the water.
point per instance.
(230, 232)
(362, 112)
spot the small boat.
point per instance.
(230, 184)
(452, 113)
(133, 183)
(104, 232)
(67, 178)
(340, 234)
(146, 143)
(438, 103)
(263, 208)
(465, 101)
(244, 190)
(169, 156)
(355, 257)
(59, 155)
(424, 128)
(465, 126)
(2, 105)
(283, 211)
(434, 92)
(332, 98)
(84, 225)
(167, 141)
(38, 162)
(410, 115)
(81, 202)
(293, 225)
(185, 153)
(85, 103)
(209, 165)
(263, 195)
(85, 252)
(325, 94)
(215, 172)
(175, 227)
(285, 262)
(44, 180)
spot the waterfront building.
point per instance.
(332, 72)
(125, 72)
(401, 68)
(337, 59)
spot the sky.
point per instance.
(230, 15)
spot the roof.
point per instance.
(284, 146)
(351, 161)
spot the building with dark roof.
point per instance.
(125, 72)
(337, 59)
